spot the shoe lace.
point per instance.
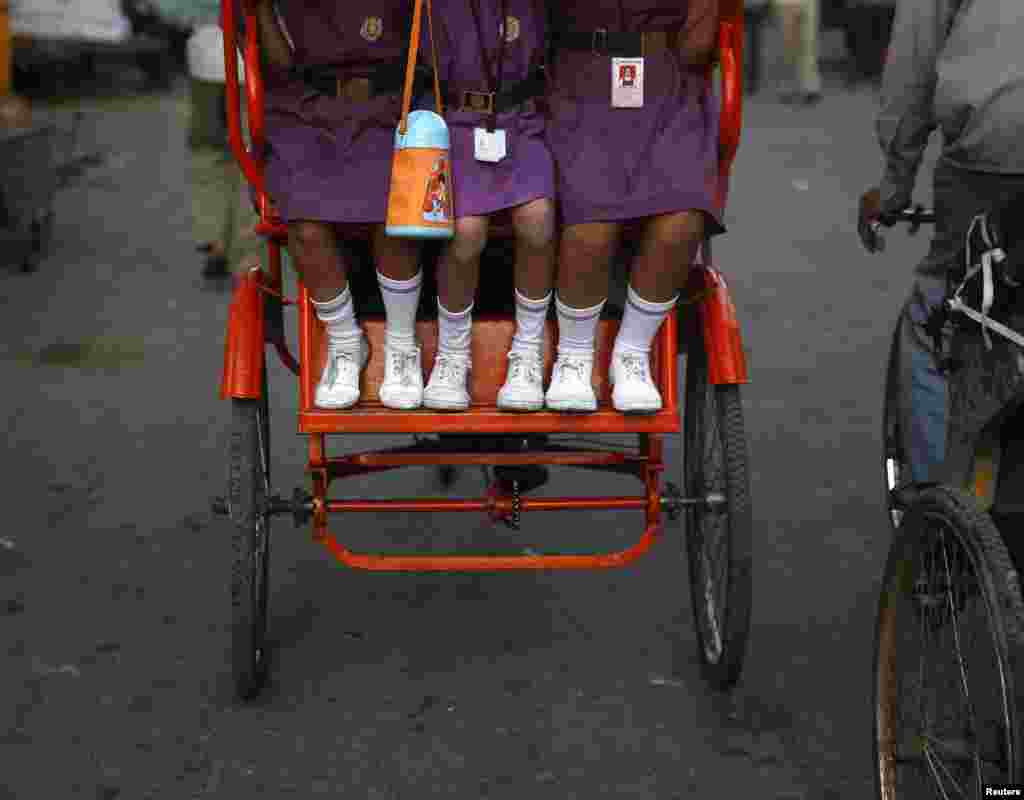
(450, 368)
(636, 366)
(341, 364)
(403, 363)
(523, 368)
(574, 366)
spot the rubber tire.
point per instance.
(250, 563)
(999, 588)
(701, 403)
(892, 438)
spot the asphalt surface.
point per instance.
(113, 573)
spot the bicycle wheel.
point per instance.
(718, 532)
(248, 490)
(948, 655)
(893, 457)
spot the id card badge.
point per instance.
(627, 83)
(488, 145)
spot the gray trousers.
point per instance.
(959, 195)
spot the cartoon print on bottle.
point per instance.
(437, 202)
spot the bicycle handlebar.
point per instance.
(871, 233)
(916, 216)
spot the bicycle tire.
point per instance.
(944, 520)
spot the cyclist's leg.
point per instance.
(958, 196)
(923, 389)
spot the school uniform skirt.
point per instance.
(618, 164)
(329, 159)
(526, 173)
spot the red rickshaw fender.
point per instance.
(243, 350)
(723, 341)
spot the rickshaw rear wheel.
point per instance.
(718, 531)
(948, 567)
(248, 493)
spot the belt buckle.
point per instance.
(599, 41)
(479, 101)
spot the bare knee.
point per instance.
(589, 244)
(534, 224)
(679, 228)
(470, 239)
(309, 241)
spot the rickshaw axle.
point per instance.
(300, 506)
(673, 502)
(505, 509)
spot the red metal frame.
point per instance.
(247, 336)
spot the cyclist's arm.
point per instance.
(906, 119)
(275, 47)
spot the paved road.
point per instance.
(113, 596)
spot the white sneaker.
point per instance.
(571, 384)
(523, 389)
(448, 387)
(633, 389)
(339, 384)
(403, 378)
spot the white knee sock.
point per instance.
(401, 299)
(339, 316)
(640, 322)
(577, 328)
(453, 330)
(530, 316)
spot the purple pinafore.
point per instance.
(617, 164)
(329, 160)
(527, 172)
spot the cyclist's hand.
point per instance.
(867, 220)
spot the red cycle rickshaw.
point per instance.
(713, 494)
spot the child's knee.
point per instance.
(470, 238)
(588, 244)
(307, 239)
(681, 229)
(534, 223)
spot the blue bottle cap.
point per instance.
(424, 129)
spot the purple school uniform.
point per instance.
(617, 164)
(330, 160)
(527, 172)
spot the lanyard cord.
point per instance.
(622, 16)
(493, 76)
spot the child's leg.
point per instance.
(534, 225)
(400, 279)
(585, 255)
(667, 250)
(458, 273)
(316, 259)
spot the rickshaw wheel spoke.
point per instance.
(718, 538)
(248, 493)
(949, 654)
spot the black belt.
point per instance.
(386, 79)
(508, 98)
(616, 43)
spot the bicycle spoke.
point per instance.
(932, 766)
